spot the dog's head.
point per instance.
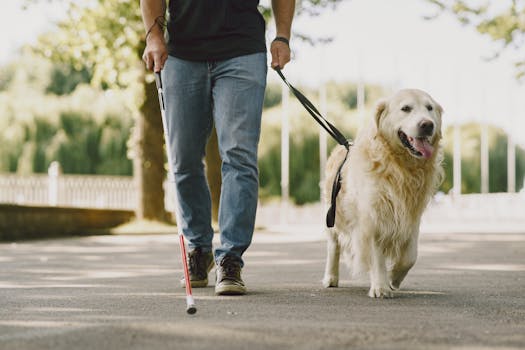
(410, 120)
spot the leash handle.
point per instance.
(329, 127)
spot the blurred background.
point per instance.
(80, 125)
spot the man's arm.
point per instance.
(283, 11)
(156, 53)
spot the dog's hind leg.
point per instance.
(333, 250)
(403, 264)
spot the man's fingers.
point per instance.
(160, 60)
(277, 57)
(155, 55)
(157, 63)
(280, 54)
(147, 62)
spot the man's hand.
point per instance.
(280, 54)
(156, 53)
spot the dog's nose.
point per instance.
(426, 127)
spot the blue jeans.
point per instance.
(230, 95)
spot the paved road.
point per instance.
(467, 291)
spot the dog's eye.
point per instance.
(430, 108)
(406, 108)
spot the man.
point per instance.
(214, 72)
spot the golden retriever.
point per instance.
(389, 176)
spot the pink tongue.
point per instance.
(423, 147)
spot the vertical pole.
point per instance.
(323, 147)
(484, 158)
(285, 154)
(361, 100)
(360, 88)
(456, 169)
(511, 164)
(511, 145)
(53, 173)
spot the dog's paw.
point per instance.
(380, 292)
(394, 285)
(330, 282)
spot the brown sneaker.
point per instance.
(199, 265)
(229, 280)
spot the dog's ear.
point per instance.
(381, 109)
(439, 109)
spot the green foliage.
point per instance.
(305, 177)
(86, 130)
(105, 38)
(65, 78)
(272, 95)
(77, 142)
(7, 74)
(346, 93)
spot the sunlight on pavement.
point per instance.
(487, 267)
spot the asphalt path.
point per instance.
(467, 291)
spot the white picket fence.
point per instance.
(104, 192)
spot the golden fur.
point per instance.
(384, 190)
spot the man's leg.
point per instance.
(238, 93)
(187, 92)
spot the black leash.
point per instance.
(332, 131)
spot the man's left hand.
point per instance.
(280, 54)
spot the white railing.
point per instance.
(87, 191)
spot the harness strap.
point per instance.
(336, 187)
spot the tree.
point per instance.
(506, 27)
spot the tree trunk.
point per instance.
(148, 160)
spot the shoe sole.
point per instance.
(199, 283)
(230, 289)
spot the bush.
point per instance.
(272, 95)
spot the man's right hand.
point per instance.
(156, 53)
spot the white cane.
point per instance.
(190, 303)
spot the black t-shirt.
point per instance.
(202, 30)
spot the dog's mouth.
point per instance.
(418, 146)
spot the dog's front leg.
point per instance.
(379, 287)
(404, 263)
(331, 273)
